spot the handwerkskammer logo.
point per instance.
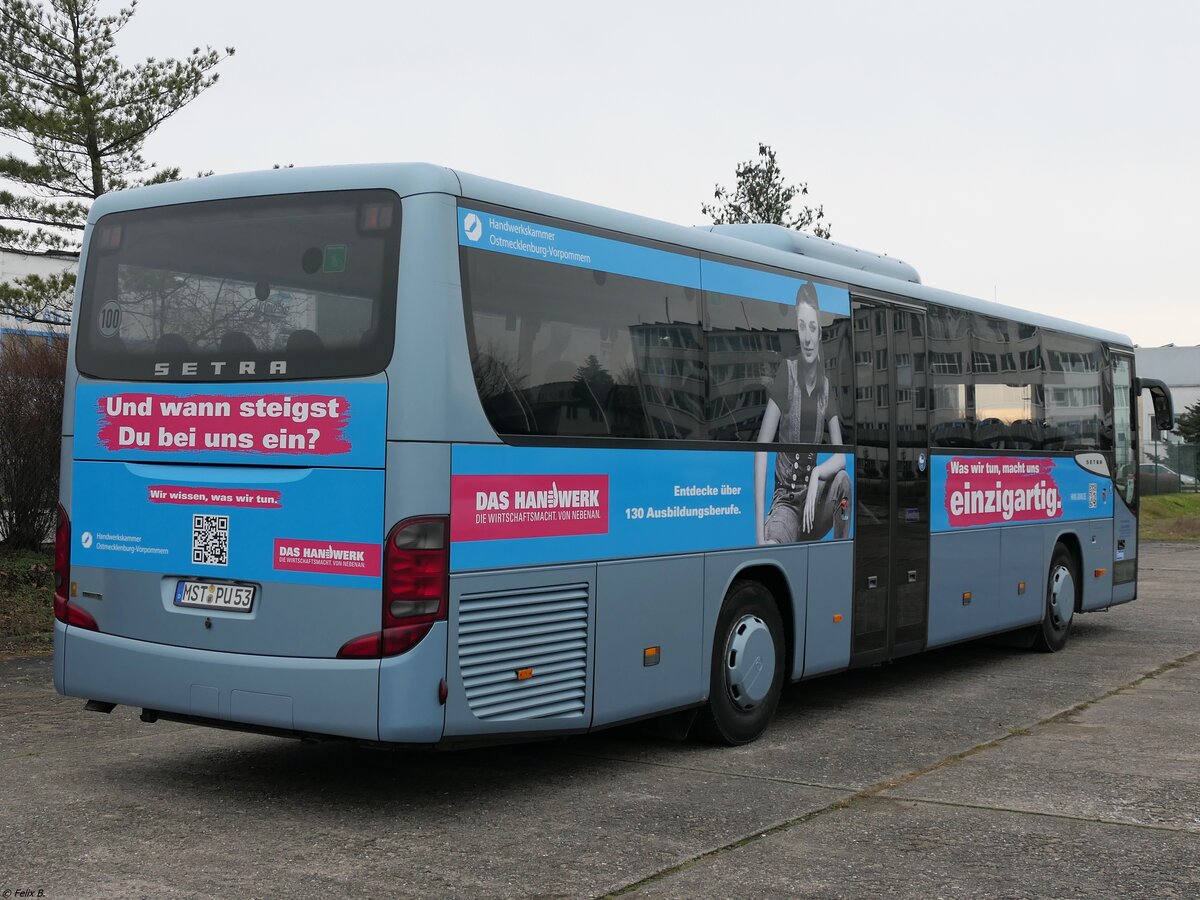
(472, 227)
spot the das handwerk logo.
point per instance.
(498, 507)
(472, 227)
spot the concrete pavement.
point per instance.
(971, 771)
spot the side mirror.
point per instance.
(1160, 395)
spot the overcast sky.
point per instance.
(1044, 154)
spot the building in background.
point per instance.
(16, 264)
(1179, 368)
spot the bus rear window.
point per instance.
(281, 287)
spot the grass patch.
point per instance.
(26, 602)
(1171, 517)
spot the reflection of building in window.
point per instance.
(1125, 453)
(1068, 361)
(1072, 397)
(1022, 387)
(668, 368)
(984, 362)
(942, 363)
(743, 363)
(598, 354)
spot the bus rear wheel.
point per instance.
(746, 676)
(1062, 590)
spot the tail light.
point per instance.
(416, 565)
(64, 610)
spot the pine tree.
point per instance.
(592, 377)
(1187, 424)
(762, 195)
(84, 118)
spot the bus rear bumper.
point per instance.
(317, 696)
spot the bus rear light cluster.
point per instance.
(416, 565)
(64, 610)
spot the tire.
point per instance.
(1062, 594)
(746, 675)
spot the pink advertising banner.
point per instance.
(333, 557)
(492, 507)
(190, 495)
(980, 491)
(263, 423)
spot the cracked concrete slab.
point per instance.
(893, 848)
(1112, 761)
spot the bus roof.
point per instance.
(858, 268)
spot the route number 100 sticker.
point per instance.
(110, 318)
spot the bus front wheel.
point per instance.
(1062, 588)
(747, 666)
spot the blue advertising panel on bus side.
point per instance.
(303, 526)
(531, 240)
(154, 491)
(969, 491)
(515, 506)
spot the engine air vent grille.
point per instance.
(523, 653)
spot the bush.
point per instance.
(26, 608)
(32, 370)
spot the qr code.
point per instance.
(210, 540)
(1092, 495)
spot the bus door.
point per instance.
(891, 541)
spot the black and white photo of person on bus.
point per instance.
(809, 498)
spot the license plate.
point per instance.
(215, 595)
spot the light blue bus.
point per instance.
(404, 455)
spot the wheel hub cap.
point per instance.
(1062, 597)
(749, 662)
